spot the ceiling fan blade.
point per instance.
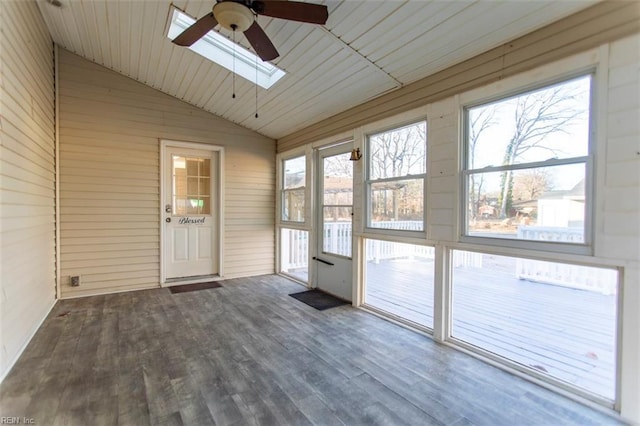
(260, 42)
(196, 31)
(292, 10)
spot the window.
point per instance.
(224, 52)
(399, 280)
(395, 178)
(526, 171)
(191, 182)
(555, 318)
(337, 204)
(293, 189)
(294, 253)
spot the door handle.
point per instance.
(323, 261)
(168, 220)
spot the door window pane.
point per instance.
(337, 196)
(337, 192)
(204, 186)
(204, 168)
(555, 318)
(192, 166)
(191, 185)
(336, 238)
(205, 204)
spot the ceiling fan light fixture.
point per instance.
(233, 16)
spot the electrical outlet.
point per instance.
(75, 281)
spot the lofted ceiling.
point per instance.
(366, 49)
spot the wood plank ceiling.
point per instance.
(366, 49)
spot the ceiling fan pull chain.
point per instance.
(256, 84)
(233, 96)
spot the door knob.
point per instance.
(168, 220)
(167, 208)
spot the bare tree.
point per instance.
(397, 153)
(531, 184)
(479, 121)
(537, 116)
(338, 165)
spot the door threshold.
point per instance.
(190, 280)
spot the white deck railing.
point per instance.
(294, 249)
(599, 280)
(338, 238)
(593, 279)
(549, 233)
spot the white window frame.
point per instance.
(510, 90)
(368, 181)
(282, 191)
(283, 224)
(517, 368)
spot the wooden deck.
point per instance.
(566, 333)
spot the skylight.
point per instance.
(219, 49)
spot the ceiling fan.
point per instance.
(239, 15)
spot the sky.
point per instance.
(571, 142)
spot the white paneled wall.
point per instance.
(621, 219)
(110, 128)
(442, 167)
(27, 177)
(619, 236)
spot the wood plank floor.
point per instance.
(564, 332)
(248, 354)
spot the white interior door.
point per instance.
(191, 204)
(334, 219)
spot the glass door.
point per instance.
(334, 220)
